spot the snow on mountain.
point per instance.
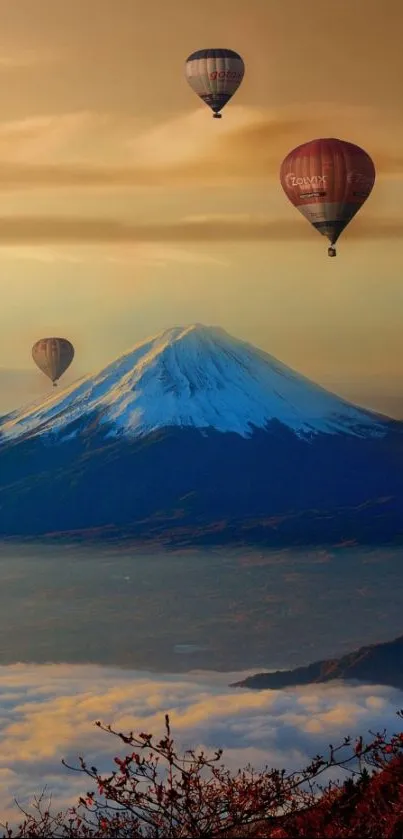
(194, 376)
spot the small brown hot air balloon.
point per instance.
(53, 356)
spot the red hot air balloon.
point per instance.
(328, 181)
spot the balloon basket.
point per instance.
(217, 116)
(331, 251)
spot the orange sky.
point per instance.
(127, 209)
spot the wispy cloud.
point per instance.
(89, 150)
(23, 57)
(151, 254)
(48, 711)
(83, 136)
(33, 230)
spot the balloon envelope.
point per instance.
(215, 75)
(53, 356)
(328, 180)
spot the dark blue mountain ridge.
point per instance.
(379, 664)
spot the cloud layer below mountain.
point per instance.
(48, 711)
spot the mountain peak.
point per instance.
(195, 376)
(190, 331)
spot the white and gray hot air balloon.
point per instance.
(215, 76)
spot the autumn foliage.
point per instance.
(155, 791)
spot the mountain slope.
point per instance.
(196, 377)
(195, 436)
(380, 664)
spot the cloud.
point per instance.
(47, 712)
(88, 150)
(83, 136)
(151, 254)
(39, 231)
(23, 58)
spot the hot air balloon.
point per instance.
(328, 181)
(215, 75)
(53, 356)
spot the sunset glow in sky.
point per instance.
(127, 209)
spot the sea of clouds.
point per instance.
(48, 712)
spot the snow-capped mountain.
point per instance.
(194, 436)
(196, 377)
